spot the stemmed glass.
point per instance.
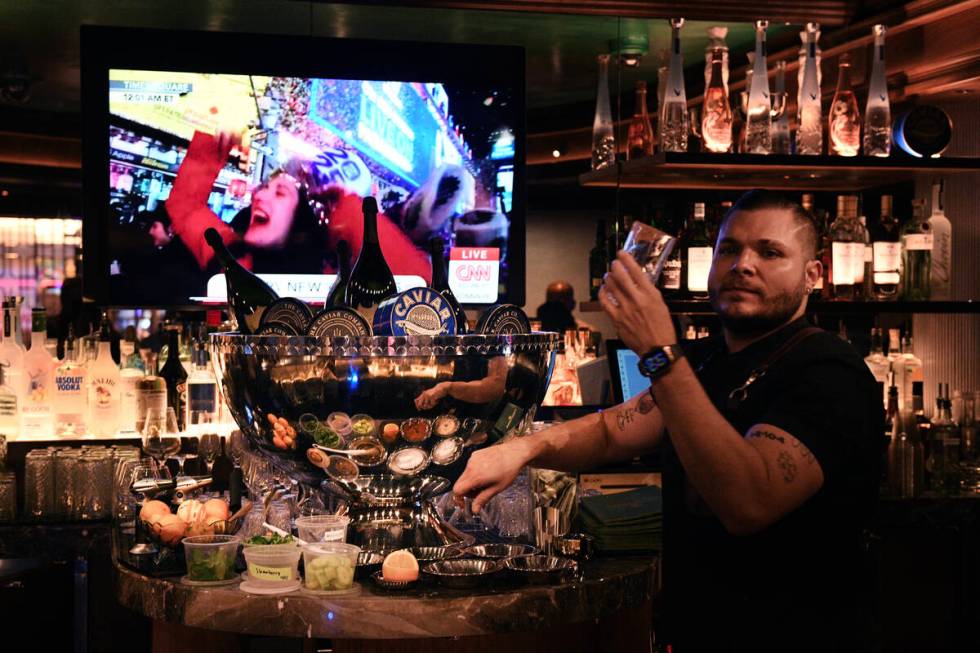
(209, 446)
(161, 437)
(147, 480)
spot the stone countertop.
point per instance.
(607, 585)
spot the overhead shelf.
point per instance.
(696, 307)
(774, 171)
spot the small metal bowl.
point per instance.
(500, 551)
(447, 451)
(372, 443)
(398, 459)
(416, 430)
(462, 573)
(436, 553)
(541, 569)
(445, 426)
(368, 562)
(393, 584)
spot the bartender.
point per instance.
(772, 441)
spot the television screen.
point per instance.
(277, 153)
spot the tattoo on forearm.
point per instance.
(646, 404)
(769, 435)
(805, 453)
(625, 417)
(786, 464)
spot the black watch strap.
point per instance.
(658, 360)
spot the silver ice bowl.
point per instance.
(500, 551)
(462, 573)
(541, 569)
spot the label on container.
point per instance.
(918, 242)
(262, 572)
(671, 275)
(8, 405)
(202, 397)
(887, 262)
(698, 266)
(844, 265)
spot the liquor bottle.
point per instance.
(337, 293)
(809, 112)
(70, 391)
(130, 375)
(717, 120)
(844, 119)
(37, 410)
(917, 245)
(912, 371)
(9, 415)
(697, 255)
(877, 362)
(847, 249)
(603, 140)
(877, 112)
(151, 395)
(104, 388)
(175, 376)
(202, 395)
(942, 246)
(780, 126)
(639, 139)
(944, 454)
(886, 254)
(671, 276)
(12, 349)
(221, 470)
(440, 282)
(758, 112)
(893, 429)
(674, 117)
(598, 261)
(863, 287)
(716, 43)
(248, 296)
(371, 281)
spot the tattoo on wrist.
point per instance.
(786, 464)
(805, 453)
(769, 435)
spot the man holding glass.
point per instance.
(771, 437)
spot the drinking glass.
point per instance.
(161, 437)
(209, 447)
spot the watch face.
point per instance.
(652, 363)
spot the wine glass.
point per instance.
(209, 446)
(161, 437)
(148, 480)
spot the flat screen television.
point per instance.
(278, 138)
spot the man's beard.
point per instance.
(776, 311)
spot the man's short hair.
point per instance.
(765, 200)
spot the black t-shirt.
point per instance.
(797, 585)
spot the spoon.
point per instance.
(346, 452)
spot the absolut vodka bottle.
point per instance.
(758, 112)
(877, 113)
(674, 117)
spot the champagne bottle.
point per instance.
(221, 470)
(371, 281)
(336, 297)
(248, 296)
(175, 376)
(639, 138)
(440, 282)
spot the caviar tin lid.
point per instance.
(415, 312)
(408, 461)
(273, 328)
(505, 319)
(338, 322)
(288, 310)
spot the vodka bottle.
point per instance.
(809, 135)
(887, 254)
(942, 245)
(639, 139)
(844, 119)
(9, 415)
(37, 410)
(202, 395)
(780, 126)
(70, 391)
(130, 375)
(12, 349)
(716, 119)
(877, 113)
(674, 117)
(917, 246)
(104, 388)
(847, 248)
(603, 141)
(758, 113)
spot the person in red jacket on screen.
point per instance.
(284, 234)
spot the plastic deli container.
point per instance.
(272, 564)
(322, 528)
(211, 557)
(329, 566)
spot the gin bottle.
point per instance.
(942, 245)
(639, 140)
(886, 254)
(716, 121)
(917, 246)
(844, 119)
(603, 141)
(877, 113)
(758, 113)
(674, 117)
(809, 134)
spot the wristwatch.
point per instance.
(657, 361)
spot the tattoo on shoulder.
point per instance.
(769, 435)
(787, 466)
(805, 453)
(646, 403)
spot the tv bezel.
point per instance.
(104, 48)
